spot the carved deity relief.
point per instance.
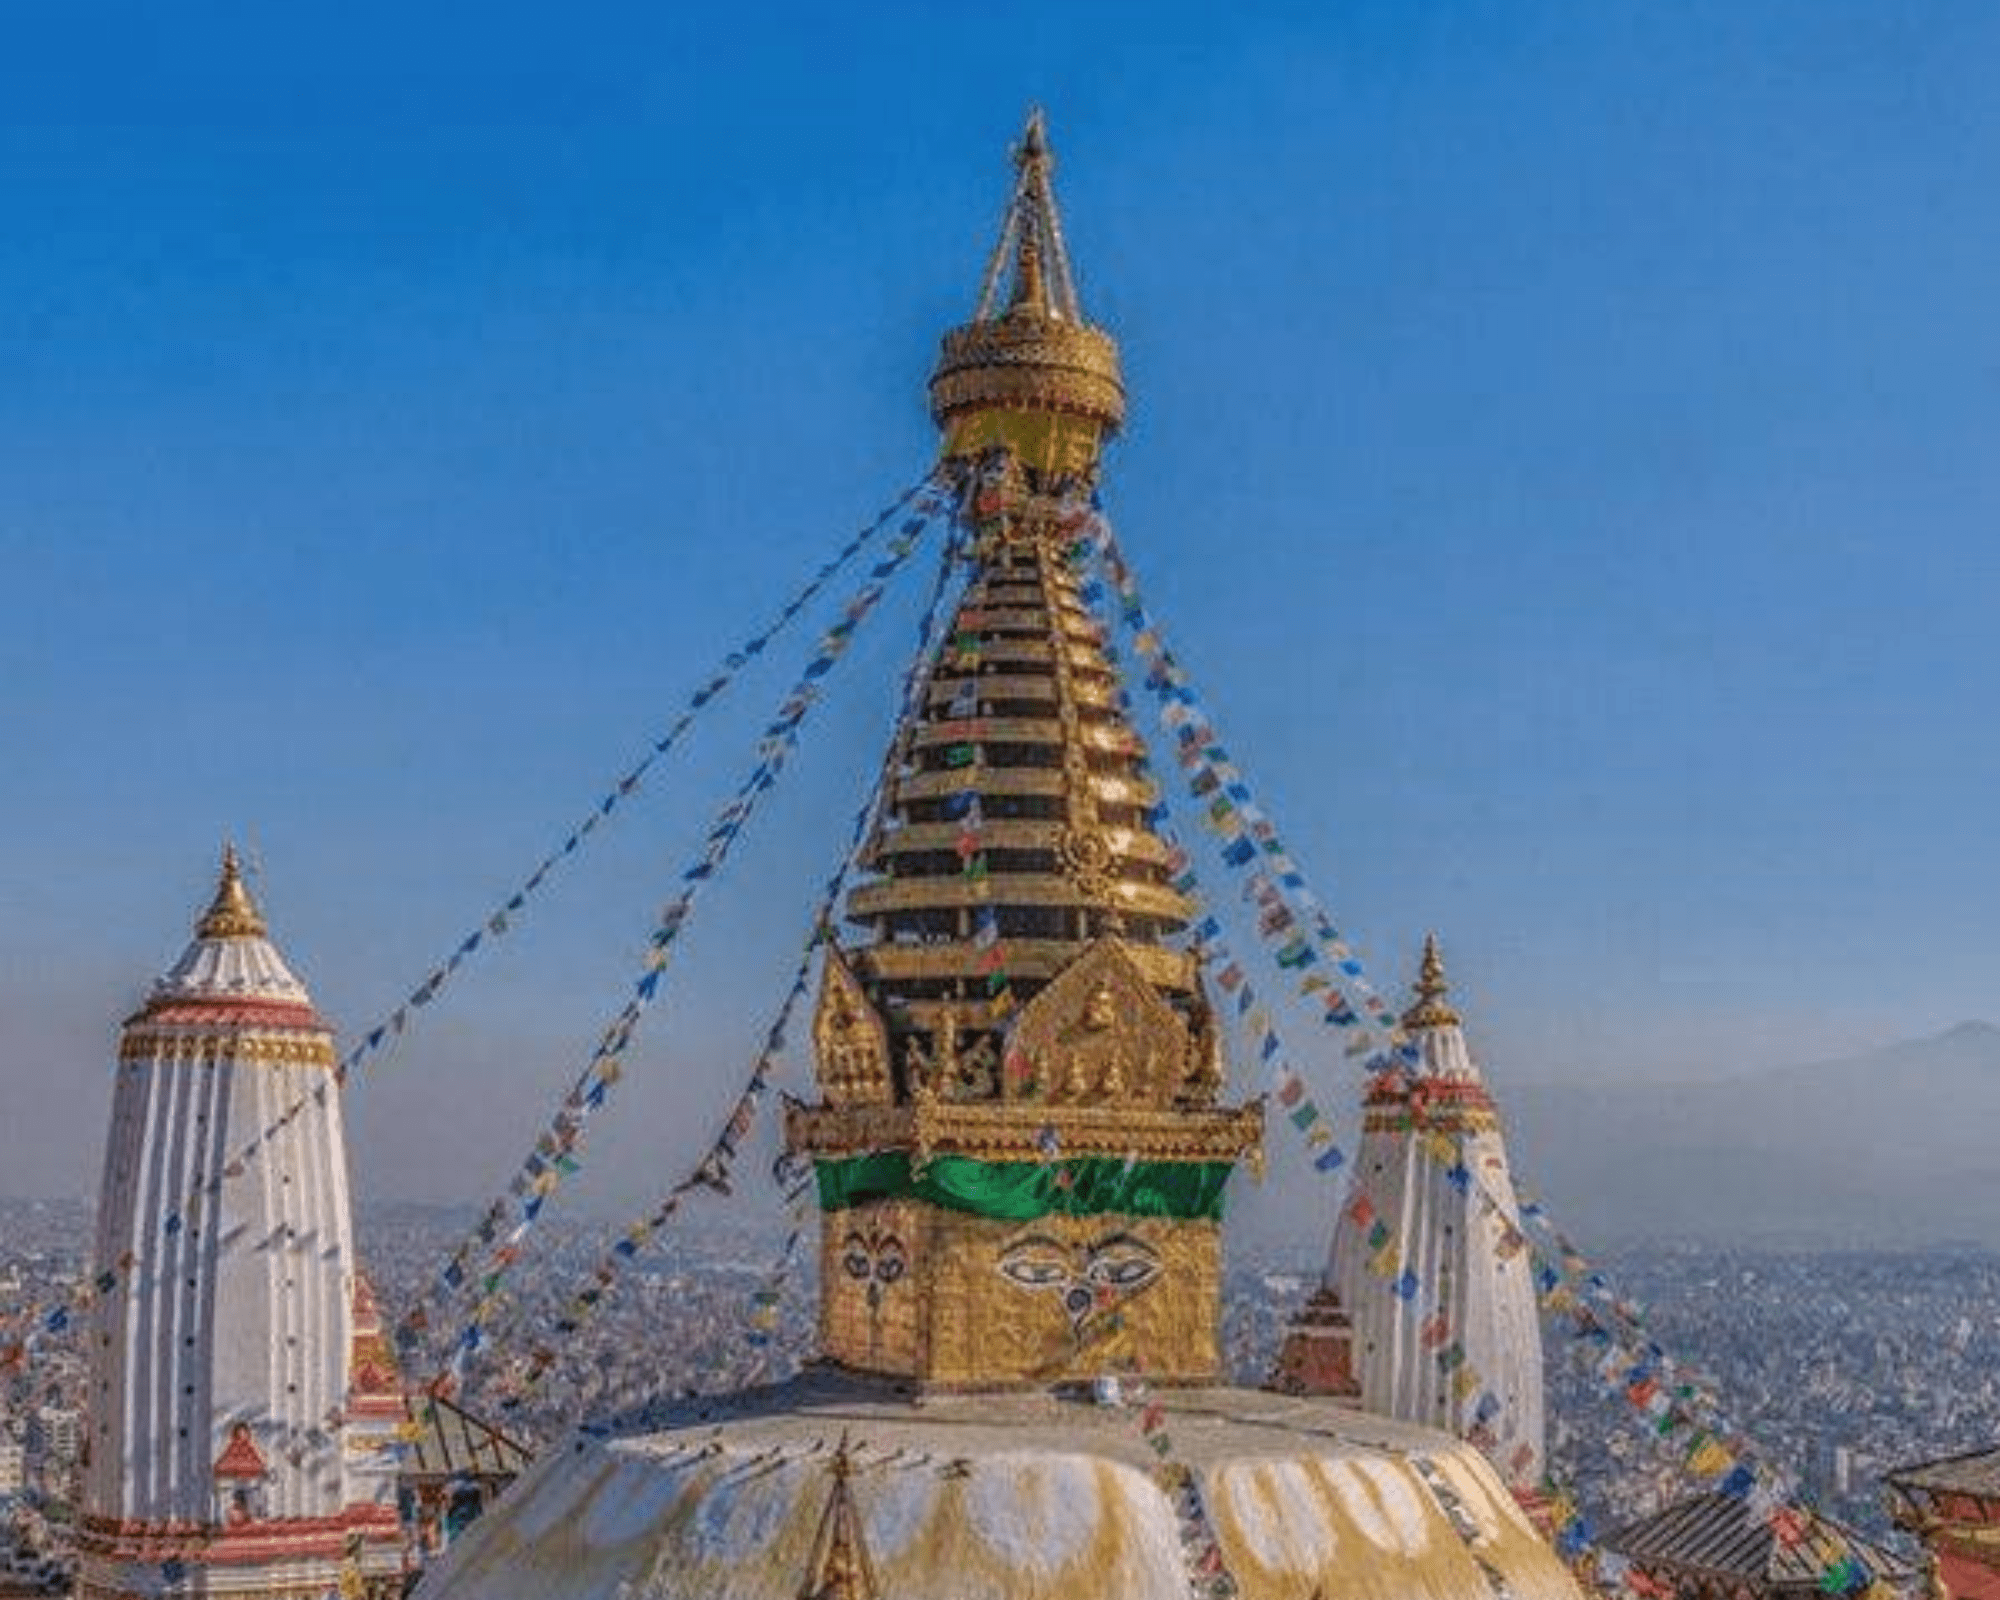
(948, 1069)
(849, 1039)
(1202, 1084)
(1100, 1033)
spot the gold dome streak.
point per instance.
(840, 1568)
(1021, 1014)
(232, 914)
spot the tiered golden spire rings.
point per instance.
(1029, 349)
(232, 914)
(1433, 1009)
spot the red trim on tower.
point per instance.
(241, 1458)
(222, 1011)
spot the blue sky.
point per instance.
(1561, 443)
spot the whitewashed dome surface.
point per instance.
(1003, 1497)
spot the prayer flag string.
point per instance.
(1298, 933)
(484, 1260)
(926, 494)
(714, 1170)
(22, 1332)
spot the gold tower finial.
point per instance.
(232, 914)
(839, 1568)
(1028, 371)
(1432, 1009)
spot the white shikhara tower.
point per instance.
(228, 1451)
(1433, 1197)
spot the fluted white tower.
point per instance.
(1457, 1343)
(218, 1457)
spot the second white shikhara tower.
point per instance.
(237, 1411)
(1433, 1198)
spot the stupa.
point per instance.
(1023, 1140)
(1433, 1194)
(237, 1409)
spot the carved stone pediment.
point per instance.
(1099, 1033)
(850, 1040)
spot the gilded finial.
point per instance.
(232, 914)
(1028, 352)
(1432, 1009)
(1033, 149)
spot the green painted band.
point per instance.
(1019, 1191)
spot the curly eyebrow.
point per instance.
(1037, 1240)
(1131, 1239)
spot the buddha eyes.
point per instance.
(1036, 1271)
(1120, 1264)
(881, 1260)
(1122, 1267)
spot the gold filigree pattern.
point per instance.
(1022, 1130)
(1100, 1033)
(849, 1039)
(196, 1045)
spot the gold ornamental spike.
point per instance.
(1028, 352)
(1433, 1009)
(232, 914)
(840, 1568)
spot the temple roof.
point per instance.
(1720, 1535)
(450, 1442)
(1975, 1473)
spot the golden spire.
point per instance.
(839, 1568)
(1022, 993)
(1432, 1009)
(232, 914)
(1029, 354)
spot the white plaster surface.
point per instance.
(995, 1497)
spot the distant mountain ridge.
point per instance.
(1898, 1147)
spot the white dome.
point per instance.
(1014, 1496)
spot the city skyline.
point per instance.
(1592, 573)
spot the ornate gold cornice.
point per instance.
(1456, 1118)
(1021, 833)
(195, 1044)
(1117, 788)
(1054, 731)
(1029, 363)
(1015, 888)
(1027, 1130)
(1026, 958)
